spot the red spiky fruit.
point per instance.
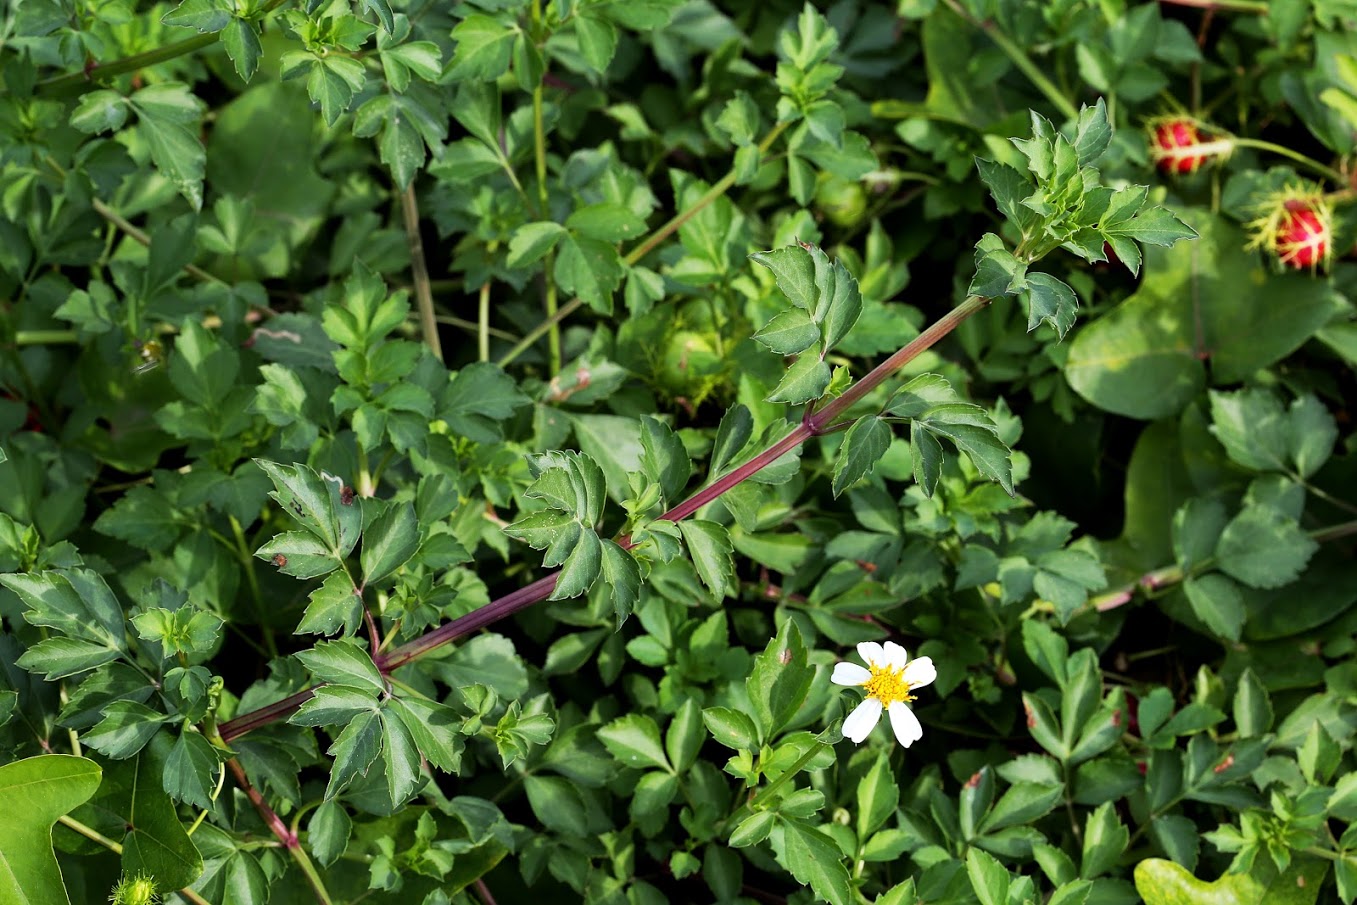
(1304, 236)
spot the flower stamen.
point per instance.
(887, 685)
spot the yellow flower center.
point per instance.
(887, 685)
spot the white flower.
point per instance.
(889, 678)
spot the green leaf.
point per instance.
(478, 400)
(484, 45)
(1093, 133)
(77, 603)
(737, 426)
(328, 831)
(1161, 882)
(709, 545)
(1253, 713)
(204, 16)
(389, 542)
(1217, 602)
(1198, 304)
(1049, 300)
(242, 46)
(598, 41)
(36, 791)
(863, 446)
(622, 580)
(877, 797)
(753, 829)
(780, 680)
(156, 844)
(997, 272)
(435, 729)
(165, 113)
(590, 269)
(531, 242)
(1196, 531)
(401, 757)
(790, 332)
(635, 740)
(1105, 838)
(99, 111)
(343, 663)
(1022, 803)
(318, 503)
(814, 859)
(299, 554)
(1262, 436)
(192, 770)
(335, 705)
(806, 380)
(731, 728)
(580, 568)
(794, 270)
(125, 729)
(1263, 548)
(926, 400)
(606, 222)
(354, 750)
(333, 605)
(57, 658)
(663, 458)
(989, 878)
(1008, 188)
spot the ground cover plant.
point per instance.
(676, 450)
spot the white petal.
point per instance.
(920, 672)
(906, 725)
(872, 653)
(895, 655)
(849, 674)
(862, 720)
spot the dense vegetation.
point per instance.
(677, 450)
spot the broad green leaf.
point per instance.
(435, 729)
(1253, 712)
(328, 831)
(635, 740)
(737, 426)
(354, 750)
(989, 879)
(1262, 436)
(242, 46)
(814, 859)
(1262, 548)
(335, 604)
(997, 272)
(1217, 602)
(484, 45)
(156, 844)
(532, 241)
(125, 729)
(1161, 882)
(622, 580)
(36, 791)
(794, 271)
(478, 400)
(401, 758)
(318, 502)
(1049, 300)
(731, 728)
(580, 568)
(1199, 303)
(389, 542)
(877, 798)
(589, 268)
(709, 545)
(99, 111)
(164, 112)
(343, 663)
(598, 41)
(806, 380)
(863, 446)
(780, 680)
(335, 705)
(790, 332)
(606, 222)
(753, 829)
(192, 769)
(663, 458)
(299, 554)
(205, 16)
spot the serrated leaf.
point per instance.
(204, 16)
(635, 740)
(997, 271)
(125, 729)
(1262, 548)
(335, 705)
(242, 46)
(734, 431)
(299, 554)
(709, 545)
(478, 400)
(531, 242)
(815, 860)
(435, 729)
(99, 111)
(191, 770)
(790, 332)
(389, 542)
(580, 568)
(335, 604)
(663, 458)
(1093, 133)
(343, 663)
(589, 268)
(806, 380)
(484, 46)
(863, 446)
(1217, 602)
(354, 750)
(401, 758)
(1049, 300)
(328, 831)
(622, 576)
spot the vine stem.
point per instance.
(787, 775)
(284, 834)
(1283, 151)
(1020, 59)
(419, 272)
(813, 425)
(644, 248)
(116, 848)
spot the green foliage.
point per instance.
(335, 333)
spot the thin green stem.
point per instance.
(1283, 151)
(1020, 59)
(419, 272)
(787, 775)
(483, 323)
(45, 337)
(640, 251)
